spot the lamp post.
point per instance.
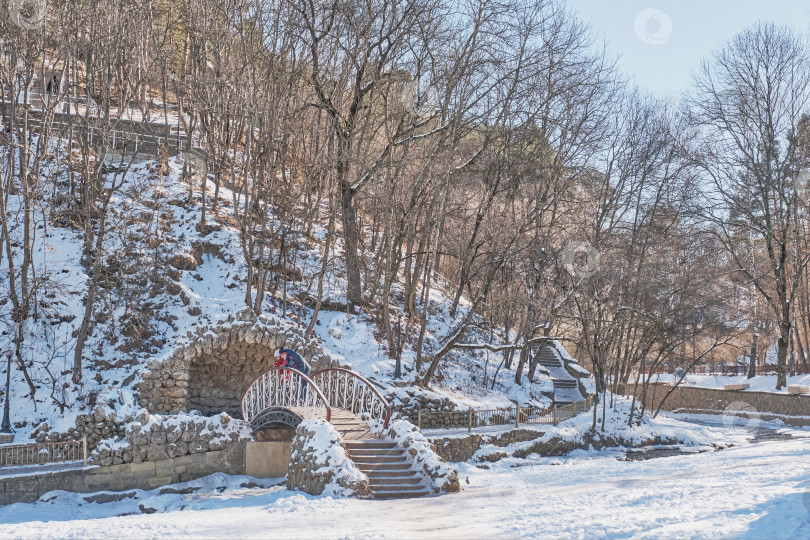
(6, 426)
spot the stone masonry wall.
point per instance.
(458, 449)
(146, 475)
(793, 410)
(156, 438)
(211, 369)
(408, 401)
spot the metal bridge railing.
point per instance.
(283, 388)
(346, 389)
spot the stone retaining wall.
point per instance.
(408, 401)
(457, 449)
(792, 410)
(156, 437)
(146, 475)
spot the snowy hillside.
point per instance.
(164, 279)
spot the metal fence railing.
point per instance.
(517, 415)
(43, 453)
(719, 369)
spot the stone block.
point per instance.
(145, 466)
(795, 389)
(10, 497)
(267, 459)
(215, 456)
(163, 480)
(742, 386)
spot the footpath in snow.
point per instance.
(749, 491)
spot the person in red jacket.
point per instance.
(288, 358)
(291, 359)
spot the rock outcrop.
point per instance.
(319, 464)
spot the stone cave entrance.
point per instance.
(218, 380)
(213, 367)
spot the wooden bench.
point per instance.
(741, 386)
(798, 389)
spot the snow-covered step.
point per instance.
(368, 444)
(389, 473)
(399, 466)
(388, 467)
(394, 480)
(374, 460)
(377, 452)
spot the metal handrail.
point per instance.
(349, 390)
(282, 387)
(43, 453)
(515, 416)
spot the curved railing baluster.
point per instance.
(348, 390)
(284, 388)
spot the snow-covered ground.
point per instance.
(760, 383)
(759, 490)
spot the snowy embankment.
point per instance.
(760, 383)
(748, 491)
(577, 434)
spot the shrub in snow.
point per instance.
(319, 464)
(406, 435)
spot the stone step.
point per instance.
(369, 444)
(400, 494)
(379, 459)
(558, 383)
(370, 466)
(401, 488)
(376, 452)
(394, 480)
(389, 473)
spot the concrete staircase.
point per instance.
(566, 387)
(388, 467)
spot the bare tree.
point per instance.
(747, 105)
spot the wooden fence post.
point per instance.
(555, 415)
(517, 414)
(84, 449)
(469, 420)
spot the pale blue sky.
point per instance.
(660, 42)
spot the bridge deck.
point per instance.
(350, 427)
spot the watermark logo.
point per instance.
(653, 26)
(27, 14)
(348, 333)
(741, 417)
(580, 259)
(419, 98)
(803, 186)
